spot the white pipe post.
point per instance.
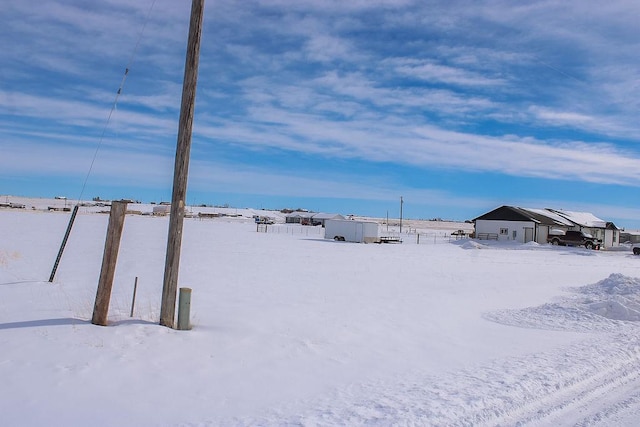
(184, 309)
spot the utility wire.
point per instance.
(115, 101)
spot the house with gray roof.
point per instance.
(512, 223)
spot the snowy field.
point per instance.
(292, 329)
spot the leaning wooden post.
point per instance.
(181, 169)
(111, 247)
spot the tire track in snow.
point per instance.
(595, 382)
(580, 385)
(611, 308)
(619, 413)
(590, 397)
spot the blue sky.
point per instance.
(458, 107)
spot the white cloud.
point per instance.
(428, 146)
(437, 73)
(325, 48)
(561, 117)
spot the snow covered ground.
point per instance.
(292, 329)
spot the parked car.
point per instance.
(636, 248)
(575, 238)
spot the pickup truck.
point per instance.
(575, 238)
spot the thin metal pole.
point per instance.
(133, 300)
(401, 214)
(64, 243)
(181, 171)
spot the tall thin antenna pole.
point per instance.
(401, 214)
(181, 171)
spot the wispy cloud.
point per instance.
(543, 92)
(438, 73)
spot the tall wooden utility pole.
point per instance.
(181, 170)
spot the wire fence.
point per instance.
(411, 236)
(421, 237)
(295, 230)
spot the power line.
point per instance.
(115, 101)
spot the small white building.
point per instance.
(321, 218)
(629, 236)
(161, 210)
(311, 218)
(298, 218)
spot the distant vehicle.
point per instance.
(575, 238)
(60, 198)
(263, 219)
(636, 248)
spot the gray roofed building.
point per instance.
(527, 224)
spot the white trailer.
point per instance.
(351, 231)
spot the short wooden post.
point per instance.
(109, 258)
(418, 240)
(184, 309)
